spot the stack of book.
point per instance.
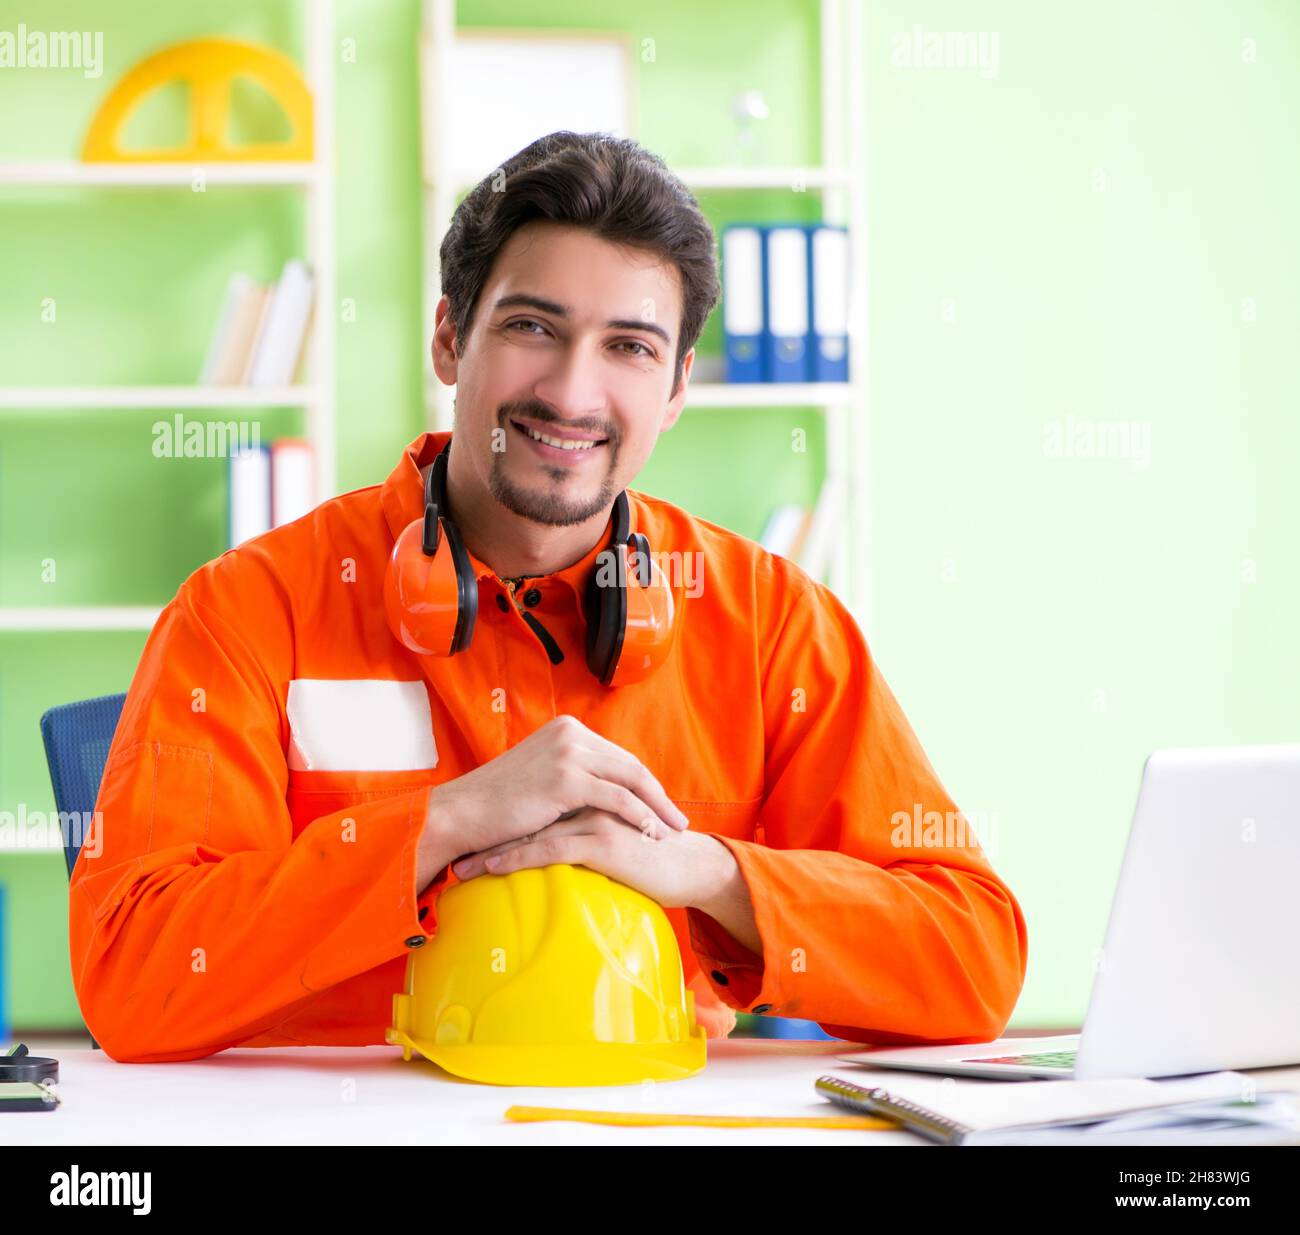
(261, 333)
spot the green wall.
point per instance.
(1103, 230)
(1075, 576)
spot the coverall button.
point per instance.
(532, 597)
(416, 941)
(763, 1007)
(720, 978)
(502, 603)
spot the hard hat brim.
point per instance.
(570, 1066)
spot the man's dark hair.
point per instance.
(610, 185)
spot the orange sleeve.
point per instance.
(875, 928)
(197, 920)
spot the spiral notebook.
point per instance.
(1216, 1108)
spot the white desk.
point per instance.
(370, 1095)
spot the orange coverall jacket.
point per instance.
(254, 882)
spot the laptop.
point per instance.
(1200, 970)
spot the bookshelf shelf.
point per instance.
(73, 174)
(168, 397)
(791, 178)
(71, 617)
(768, 394)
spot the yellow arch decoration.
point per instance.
(209, 66)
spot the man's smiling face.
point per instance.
(563, 387)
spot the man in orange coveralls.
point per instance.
(289, 785)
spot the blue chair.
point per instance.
(785, 1027)
(77, 737)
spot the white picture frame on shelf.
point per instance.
(519, 85)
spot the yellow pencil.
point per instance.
(630, 1119)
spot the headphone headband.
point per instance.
(435, 499)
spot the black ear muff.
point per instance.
(640, 549)
(606, 614)
(605, 606)
(437, 515)
(466, 589)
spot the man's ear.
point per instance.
(443, 345)
(677, 403)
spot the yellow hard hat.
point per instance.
(552, 975)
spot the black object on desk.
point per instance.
(18, 1065)
(24, 1081)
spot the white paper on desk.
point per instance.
(1274, 1109)
(986, 1106)
(1194, 1134)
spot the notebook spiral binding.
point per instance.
(877, 1101)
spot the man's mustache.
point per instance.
(543, 415)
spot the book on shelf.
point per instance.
(292, 485)
(268, 487)
(827, 519)
(279, 346)
(785, 530)
(235, 291)
(807, 536)
(237, 328)
(250, 494)
(261, 333)
(248, 345)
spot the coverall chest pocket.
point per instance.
(313, 793)
(737, 819)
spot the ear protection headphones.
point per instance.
(431, 592)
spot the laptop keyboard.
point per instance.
(1047, 1059)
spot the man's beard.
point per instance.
(553, 508)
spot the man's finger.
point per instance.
(613, 763)
(616, 799)
(547, 851)
(472, 864)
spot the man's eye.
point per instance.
(645, 351)
(525, 321)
